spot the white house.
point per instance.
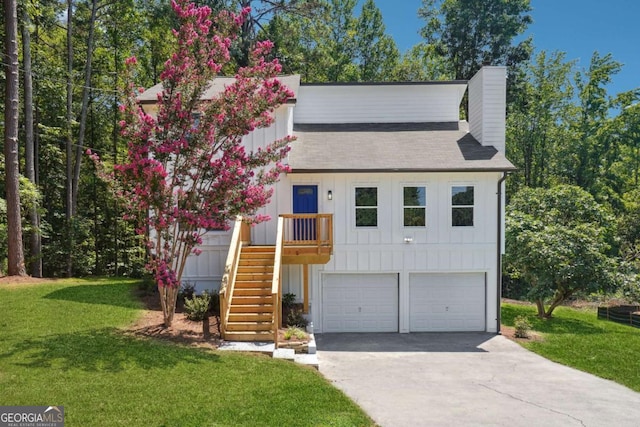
(415, 196)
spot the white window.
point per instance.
(462, 206)
(366, 207)
(415, 206)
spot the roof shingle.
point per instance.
(391, 147)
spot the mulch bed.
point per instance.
(510, 333)
(182, 330)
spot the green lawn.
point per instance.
(61, 344)
(577, 338)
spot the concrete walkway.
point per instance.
(468, 379)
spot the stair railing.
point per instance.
(276, 284)
(230, 270)
(309, 230)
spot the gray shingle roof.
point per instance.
(391, 147)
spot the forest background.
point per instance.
(564, 127)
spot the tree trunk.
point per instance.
(36, 116)
(69, 158)
(205, 328)
(11, 106)
(83, 111)
(114, 137)
(168, 298)
(558, 299)
(35, 242)
(540, 307)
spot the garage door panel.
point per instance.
(348, 295)
(443, 302)
(458, 324)
(360, 303)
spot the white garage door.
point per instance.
(446, 302)
(360, 303)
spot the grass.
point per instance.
(577, 338)
(61, 343)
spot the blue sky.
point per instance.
(577, 27)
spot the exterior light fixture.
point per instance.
(330, 195)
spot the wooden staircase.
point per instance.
(251, 304)
(251, 288)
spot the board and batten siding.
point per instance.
(260, 138)
(487, 106)
(379, 104)
(205, 271)
(438, 247)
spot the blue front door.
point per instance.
(305, 201)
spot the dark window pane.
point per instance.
(462, 217)
(462, 196)
(415, 196)
(366, 217)
(414, 217)
(305, 191)
(366, 196)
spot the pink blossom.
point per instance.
(193, 178)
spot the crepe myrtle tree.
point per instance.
(186, 170)
(558, 244)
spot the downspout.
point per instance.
(499, 255)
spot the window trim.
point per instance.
(404, 207)
(452, 206)
(356, 207)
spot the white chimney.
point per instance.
(487, 106)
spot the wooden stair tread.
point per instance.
(251, 317)
(251, 300)
(251, 306)
(252, 292)
(257, 255)
(255, 262)
(259, 248)
(262, 278)
(255, 269)
(249, 326)
(254, 283)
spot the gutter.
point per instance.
(404, 170)
(499, 255)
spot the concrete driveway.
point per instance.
(466, 379)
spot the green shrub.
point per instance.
(293, 331)
(197, 307)
(288, 300)
(296, 318)
(629, 274)
(148, 284)
(523, 327)
(187, 291)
